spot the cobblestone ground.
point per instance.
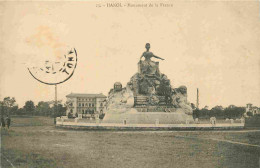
(34, 142)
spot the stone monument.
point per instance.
(148, 97)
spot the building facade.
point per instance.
(253, 109)
(85, 104)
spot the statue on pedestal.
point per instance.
(148, 90)
(149, 74)
(148, 66)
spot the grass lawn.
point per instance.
(35, 142)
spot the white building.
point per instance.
(253, 109)
(85, 103)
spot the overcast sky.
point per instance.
(213, 46)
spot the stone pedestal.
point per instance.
(132, 117)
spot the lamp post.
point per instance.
(56, 108)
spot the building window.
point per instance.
(86, 104)
(93, 105)
(89, 104)
(79, 104)
(82, 104)
(101, 104)
(82, 111)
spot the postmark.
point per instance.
(53, 72)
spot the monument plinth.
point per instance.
(147, 97)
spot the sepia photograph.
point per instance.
(130, 84)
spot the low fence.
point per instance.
(97, 124)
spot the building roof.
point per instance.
(86, 95)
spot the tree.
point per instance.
(234, 112)
(250, 114)
(21, 111)
(43, 108)
(196, 113)
(206, 107)
(217, 111)
(29, 107)
(193, 106)
(61, 110)
(218, 108)
(58, 110)
(7, 104)
(3, 108)
(14, 109)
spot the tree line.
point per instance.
(230, 112)
(8, 106)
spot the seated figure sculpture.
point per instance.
(149, 74)
(120, 99)
(149, 67)
(179, 99)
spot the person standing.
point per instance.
(8, 121)
(2, 122)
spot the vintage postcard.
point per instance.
(107, 84)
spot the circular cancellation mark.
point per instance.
(56, 72)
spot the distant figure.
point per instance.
(2, 122)
(8, 121)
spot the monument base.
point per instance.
(134, 117)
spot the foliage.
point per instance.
(219, 112)
(253, 121)
(193, 106)
(43, 109)
(8, 106)
(29, 107)
(9, 102)
(58, 110)
(250, 114)
(234, 112)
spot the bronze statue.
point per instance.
(147, 66)
(148, 55)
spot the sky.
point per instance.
(210, 45)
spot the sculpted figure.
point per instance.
(120, 99)
(148, 66)
(164, 87)
(148, 55)
(179, 99)
(117, 87)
